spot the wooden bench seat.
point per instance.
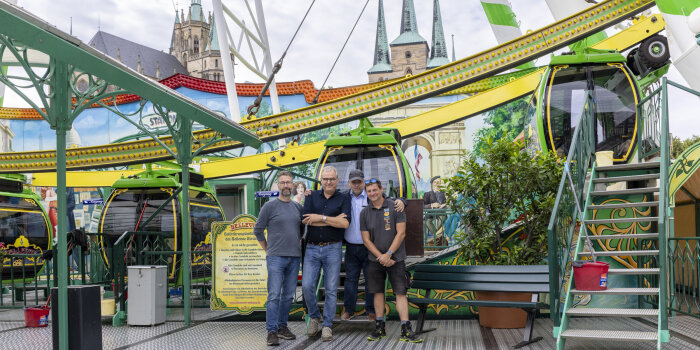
(493, 278)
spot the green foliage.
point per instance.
(505, 121)
(678, 145)
(507, 182)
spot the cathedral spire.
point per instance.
(409, 26)
(213, 42)
(382, 62)
(438, 51)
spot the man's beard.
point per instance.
(286, 192)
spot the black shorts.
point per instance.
(377, 275)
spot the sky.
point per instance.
(320, 38)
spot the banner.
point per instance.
(239, 267)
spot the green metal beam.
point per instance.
(42, 36)
(58, 118)
(184, 142)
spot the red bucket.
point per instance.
(36, 316)
(590, 275)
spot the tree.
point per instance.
(678, 145)
(505, 121)
(506, 184)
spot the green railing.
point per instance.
(439, 227)
(568, 208)
(27, 275)
(684, 273)
(654, 139)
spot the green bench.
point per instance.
(494, 278)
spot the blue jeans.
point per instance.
(327, 257)
(356, 260)
(282, 276)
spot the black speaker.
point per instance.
(84, 319)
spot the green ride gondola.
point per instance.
(25, 228)
(134, 200)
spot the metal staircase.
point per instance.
(636, 215)
(647, 173)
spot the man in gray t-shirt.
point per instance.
(282, 219)
(383, 232)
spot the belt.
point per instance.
(358, 245)
(321, 244)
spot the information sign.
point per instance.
(239, 267)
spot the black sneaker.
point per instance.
(408, 335)
(286, 334)
(379, 331)
(272, 339)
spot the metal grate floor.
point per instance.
(450, 334)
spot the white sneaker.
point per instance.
(326, 334)
(314, 327)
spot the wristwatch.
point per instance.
(324, 218)
(389, 252)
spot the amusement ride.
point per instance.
(154, 187)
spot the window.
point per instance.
(196, 44)
(615, 107)
(126, 208)
(376, 161)
(408, 54)
(216, 63)
(409, 71)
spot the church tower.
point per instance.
(382, 63)
(192, 43)
(438, 51)
(409, 52)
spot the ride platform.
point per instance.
(209, 330)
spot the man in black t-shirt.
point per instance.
(383, 232)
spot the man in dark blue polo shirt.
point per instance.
(328, 214)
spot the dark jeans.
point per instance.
(356, 260)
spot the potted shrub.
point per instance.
(507, 184)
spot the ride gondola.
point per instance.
(24, 229)
(134, 200)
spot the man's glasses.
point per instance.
(329, 179)
(285, 182)
(371, 181)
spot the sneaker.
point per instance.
(272, 339)
(326, 334)
(286, 334)
(379, 331)
(345, 316)
(314, 327)
(408, 335)
(372, 316)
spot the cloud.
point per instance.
(319, 40)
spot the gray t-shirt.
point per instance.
(283, 223)
(381, 224)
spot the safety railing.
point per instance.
(684, 273)
(135, 248)
(654, 140)
(24, 276)
(439, 227)
(568, 211)
(27, 275)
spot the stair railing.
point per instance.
(569, 207)
(654, 138)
